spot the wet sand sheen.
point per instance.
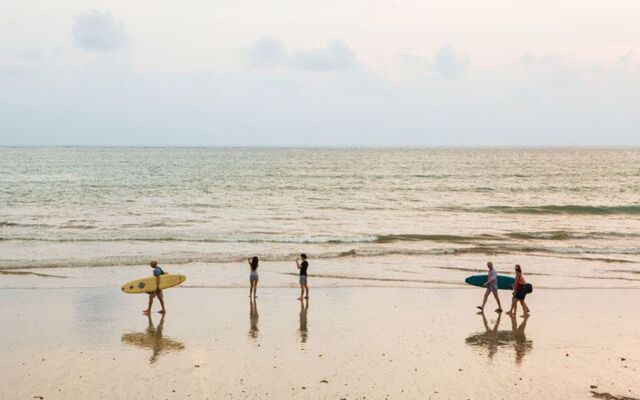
(344, 343)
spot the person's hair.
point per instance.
(153, 263)
(518, 268)
(489, 264)
(303, 256)
(254, 263)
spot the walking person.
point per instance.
(520, 290)
(253, 276)
(303, 264)
(492, 287)
(157, 272)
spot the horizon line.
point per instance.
(332, 147)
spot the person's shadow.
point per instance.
(153, 339)
(493, 339)
(303, 330)
(253, 319)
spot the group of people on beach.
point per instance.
(520, 290)
(302, 265)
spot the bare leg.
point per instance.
(514, 306)
(161, 298)
(301, 292)
(484, 301)
(255, 288)
(307, 289)
(148, 310)
(524, 306)
(495, 294)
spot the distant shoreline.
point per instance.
(336, 147)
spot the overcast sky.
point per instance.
(320, 73)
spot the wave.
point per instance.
(221, 239)
(11, 272)
(375, 279)
(633, 209)
(580, 253)
(381, 239)
(433, 238)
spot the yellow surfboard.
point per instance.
(147, 285)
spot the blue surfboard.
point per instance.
(504, 282)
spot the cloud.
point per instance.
(449, 63)
(270, 52)
(98, 31)
(267, 52)
(336, 56)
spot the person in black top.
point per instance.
(303, 264)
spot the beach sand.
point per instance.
(349, 343)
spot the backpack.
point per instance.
(528, 288)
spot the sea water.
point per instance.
(417, 217)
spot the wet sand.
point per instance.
(346, 343)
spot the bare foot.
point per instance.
(306, 297)
(509, 313)
(162, 312)
(480, 307)
(146, 312)
(498, 310)
(299, 298)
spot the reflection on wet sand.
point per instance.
(304, 333)
(253, 318)
(152, 339)
(492, 339)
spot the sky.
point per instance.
(320, 73)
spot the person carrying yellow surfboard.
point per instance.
(157, 271)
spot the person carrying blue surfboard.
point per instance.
(492, 287)
(157, 272)
(520, 289)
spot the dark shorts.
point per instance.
(303, 279)
(520, 293)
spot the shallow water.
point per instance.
(365, 216)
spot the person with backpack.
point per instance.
(520, 289)
(157, 272)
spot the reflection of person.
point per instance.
(492, 287)
(253, 276)
(520, 342)
(152, 338)
(304, 333)
(492, 338)
(253, 319)
(491, 335)
(156, 335)
(302, 266)
(519, 293)
(157, 272)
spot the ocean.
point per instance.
(94, 217)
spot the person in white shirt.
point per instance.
(492, 287)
